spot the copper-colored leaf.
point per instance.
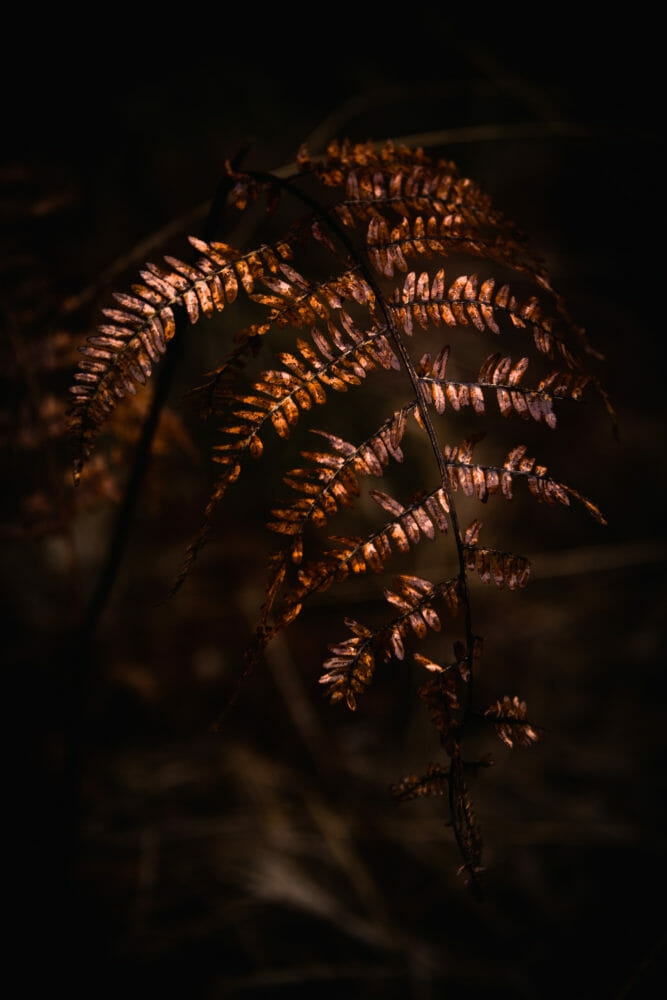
(472, 532)
(511, 724)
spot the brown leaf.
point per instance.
(511, 726)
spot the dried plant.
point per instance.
(393, 249)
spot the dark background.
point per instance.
(268, 858)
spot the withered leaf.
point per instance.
(511, 724)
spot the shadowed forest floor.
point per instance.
(268, 858)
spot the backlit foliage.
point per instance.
(395, 249)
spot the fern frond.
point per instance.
(445, 696)
(277, 397)
(465, 825)
(492, 564)
(427, 236)
(509, 719)
(483, 481)
(350, 668)
(357, 556)
(434, 782)
(427, 300)
(333, 477)
(404, 181)
(125, 351)
(504, 568)
(427, 515)
(503, 376)
(296, 301)
(334, 323)
(349, 671)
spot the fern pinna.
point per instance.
(390, 249)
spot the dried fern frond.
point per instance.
(333, 479)
(509, 717)
(125, 350)
(350, 668)
(399, 274)
(412, 786)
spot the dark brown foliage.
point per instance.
(372, 212)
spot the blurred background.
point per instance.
(268, 858)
